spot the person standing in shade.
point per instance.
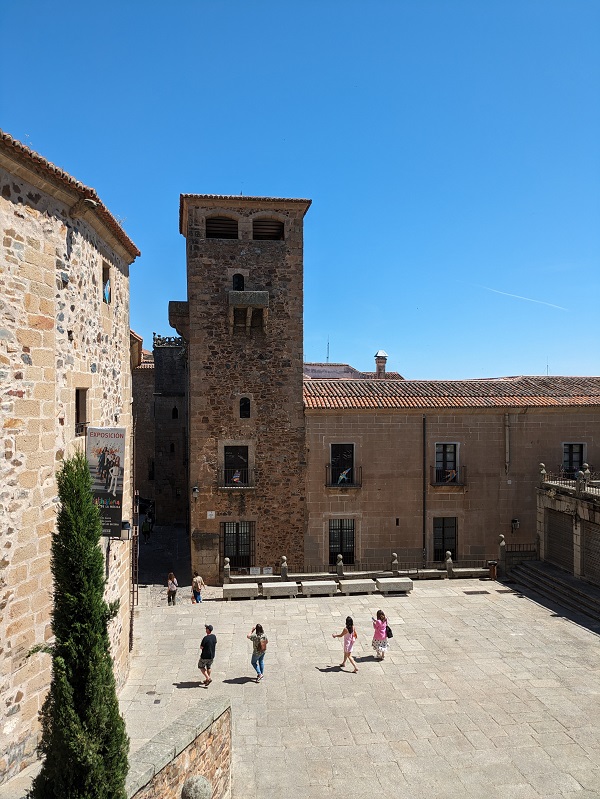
(146, 531)
(172, 587)
(197, 585)
(349, 635)
(380, 641)
(259, 647)
(208, 646)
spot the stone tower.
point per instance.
(243, 325)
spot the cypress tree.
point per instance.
(84, 742)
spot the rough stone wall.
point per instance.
(143, 413)
(170, 431)
(265, 366)
(388, 509)
(209, 756)
(56, 335)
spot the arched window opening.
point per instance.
(238, 282)
(221, 227)
(175, 413)
(267, 230)
(244, 408)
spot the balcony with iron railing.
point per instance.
(236, 479)
(448, 477)
(583, 481)
(337, 477)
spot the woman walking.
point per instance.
(172, 587)
(197, 585)
(349, 635)
(259, 647)
(380, 641)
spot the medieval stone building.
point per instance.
(242, 322)
(315, 460)
(64, 366)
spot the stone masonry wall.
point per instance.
(143, 412)
(263, 365)
(388, 509)
(164, 764)
(56, 335)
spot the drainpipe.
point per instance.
(424, 489)
(506, 442)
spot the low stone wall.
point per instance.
(196, 744)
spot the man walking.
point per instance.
(207, 653)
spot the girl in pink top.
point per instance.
(380, 641)
(350, 635)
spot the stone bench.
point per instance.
(387, 585)
(319, 587)
(243, 591)
(280, 589)
(357, 586)
(464, 571)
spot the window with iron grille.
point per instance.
(236, 465)
(444, 537)
(237, 543)
(573, 458)
(342, 464)
(341, 540)
(446, 463)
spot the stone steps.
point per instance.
(559, 586)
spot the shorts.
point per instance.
(205, 663)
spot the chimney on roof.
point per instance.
(380, 360)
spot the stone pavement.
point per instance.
(484, 694)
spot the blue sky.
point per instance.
(451, 150)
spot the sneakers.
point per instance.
(259, 678)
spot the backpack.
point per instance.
(263, 644)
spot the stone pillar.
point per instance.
(395, 565)
(226, 571)
(339, 566)
(284, 569)
(501, 557)
(449, 565)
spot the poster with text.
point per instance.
(105, 452)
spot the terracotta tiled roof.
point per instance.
(243, 198)
(490, 393)
(58, 176)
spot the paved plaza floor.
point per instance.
(484, 693)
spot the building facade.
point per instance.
(64, 366)
(242, 322)
(424, 467)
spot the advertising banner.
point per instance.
(105, 453)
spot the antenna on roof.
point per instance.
(327, 349)
(546, 366)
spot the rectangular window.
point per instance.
(341, 540)
(81, 419)
(444, 537)
(573, 458)
(446, 463)
(342, 464)
(237, 539)
(236, 466)
(106, 287)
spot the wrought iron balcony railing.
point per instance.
(236, 479)
(336, 477)
(439, 477)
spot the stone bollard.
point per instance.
(196, 788)
(226, 571)
(501, 557)
(339, 566)
(284, 569)
(449, 565)
(543, 473)
(395, 564)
